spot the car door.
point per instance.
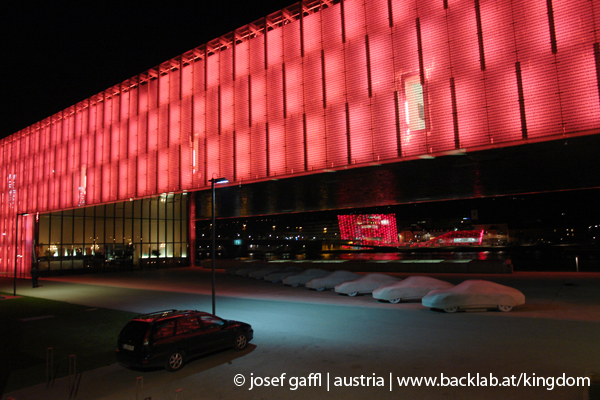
(216, 336)
(163, 338)
(188, 333)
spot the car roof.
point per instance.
(167, 314)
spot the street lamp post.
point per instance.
(16, 251)
(213, 181)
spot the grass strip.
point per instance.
(29, 326)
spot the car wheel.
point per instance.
(395, 301)
(505, 308)
(295, 285)
(241, 341)
(175, 361)
(321, 289)
(451, 309)
(352, 294)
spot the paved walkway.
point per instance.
(300, 332)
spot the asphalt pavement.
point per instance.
(320, 344)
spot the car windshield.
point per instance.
(134, 330)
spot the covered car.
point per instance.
(233, 270)
(244, 271)
(365, 284)
(474, 294)
(303, 277)
(260, 273)
(284, 273)
(411, 288)
(331, 280)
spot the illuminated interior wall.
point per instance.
(318, 85)
(377, 229)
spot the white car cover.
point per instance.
(280, 275)
(365, 284)
(302, 278)
(474, 294)
(246, 270)
(411, 288)
(334, 278)
(259, 274)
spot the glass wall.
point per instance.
(119, 235)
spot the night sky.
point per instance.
(55, 54)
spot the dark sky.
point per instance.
(55, 54)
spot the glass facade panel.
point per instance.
(109, 230)
(119, 234)
(109, 210)
(110, 235)
(55, 229)
(154, 237)
(89, 230)
(78, 229)
(67, 228)
(137, 231)
(128, 231)
(154, 208)
(145, 231)
(120, 210)
(146, 203)
(44, 229)
(176, 231)
(162, 207)
(136, 207)
(169, 231)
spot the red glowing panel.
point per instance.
(123, 186)
(354, 16)
(174, 123)
(579, 99)
(276, 143)
(243, 156)
(294, 144)
(186, 172)
(212, 156)
(163, 167)
(258, 150)
(315, 138)
(372, 229)
(226, 154)
(312, 34)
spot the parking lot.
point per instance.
(310, 343)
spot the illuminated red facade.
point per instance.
(319, 85)
(372, 229)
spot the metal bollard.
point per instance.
(139, 386)
(72, 374)
(49, 367)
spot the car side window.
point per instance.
(187, 324)
(210, 321)
(164, 329)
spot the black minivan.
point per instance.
(169, 338)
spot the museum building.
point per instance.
(322, 85)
